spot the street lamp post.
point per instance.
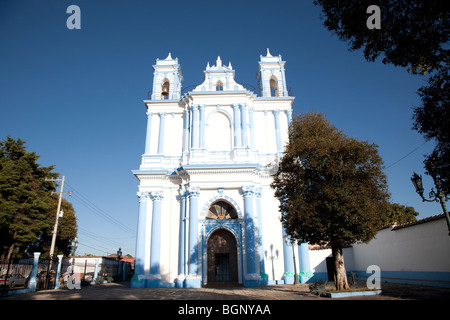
(438, 196)
(291, 243)
(272, 257)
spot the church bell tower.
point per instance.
(271, 76)
(167, 79)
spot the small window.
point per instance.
(219, 86)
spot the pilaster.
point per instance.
(195, 126)
(251, 278)
(251, 128)
(289, 116)
(244, 125)
(182, 241)
(148, 137)
(138, 280)
(262, 269)
(202, 126)
(193, 280)
(276, 115)
(155, 248)
(162, 117)
(186, 131)
(237, 126)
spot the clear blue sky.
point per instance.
(76, 96)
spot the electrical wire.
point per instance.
(77, 196)
(405, 156)
(105, 240)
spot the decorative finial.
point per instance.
(169, 57)
(207, 66)
(268, 53)
(218, 62)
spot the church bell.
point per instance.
(165, 91)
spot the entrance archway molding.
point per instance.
(219, 197)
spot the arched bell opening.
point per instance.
(274, 92)
(219, 86)
(165, 88)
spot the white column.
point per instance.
(194, 127)
(186, 131)
(237, 127)
(138, 281)
(149, 132)
(202, 126)
(276, 114)
(244, 125)
(162, 117)
(251, 128)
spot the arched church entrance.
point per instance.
(222, 250)
(222, 258)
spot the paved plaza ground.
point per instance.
(122, 291)
(276, 299)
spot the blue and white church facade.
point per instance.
(207, 213)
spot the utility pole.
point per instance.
(55, 227)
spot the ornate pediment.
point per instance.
(219, 78)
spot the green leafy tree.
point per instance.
(414, 34)
(67, 230)
(397, 213)
(331, 188)
(28, 204)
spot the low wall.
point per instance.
(415, 253)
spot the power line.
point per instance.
(89, 234)
(405, 156)
(96, 248)
(105, 240)
(76, 195)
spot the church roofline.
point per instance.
(213, 92)
(213, 166)
(275, 98)
(201, 168)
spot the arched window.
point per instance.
(165, 89)
(273, 87)
(221, 210)
(219, 86)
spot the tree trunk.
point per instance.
(340, 274)
(10, 251)
(11, 248)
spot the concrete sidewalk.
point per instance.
(122, 291)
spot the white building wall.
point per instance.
(415, 254)
(422, 247)
(169, 235)
(154, 134)
(317, 259)
(173, 134)
(272, 230)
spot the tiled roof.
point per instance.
(424, 220)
